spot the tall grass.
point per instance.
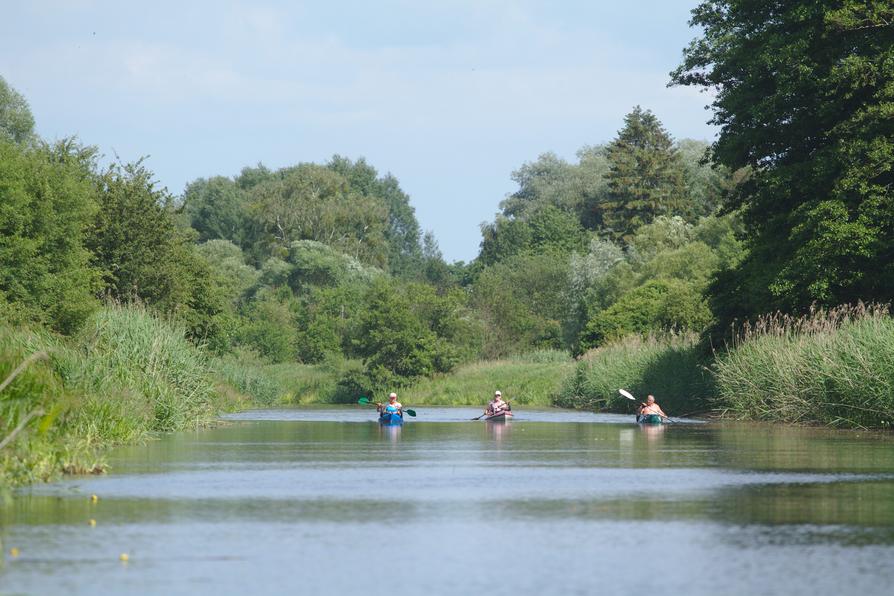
(284, 383)
(831, 366)
(669, 367)
(532, 380)
(127, 374)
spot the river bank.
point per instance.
(126, 376)
(129, 375)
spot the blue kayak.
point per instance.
(649, 419)
(390, 418)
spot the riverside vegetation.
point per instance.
(139, 311)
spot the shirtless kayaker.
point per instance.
(649, 407)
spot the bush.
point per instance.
(656, 306)
(48, 203)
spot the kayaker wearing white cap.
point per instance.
(497, 404)
(392, 407)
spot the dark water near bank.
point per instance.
(323, 501)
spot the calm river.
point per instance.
(324, 501)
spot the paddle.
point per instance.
(629, 396)
(365, 401)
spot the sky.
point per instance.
(451, 97)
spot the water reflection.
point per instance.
(498, 431)
(726, 508)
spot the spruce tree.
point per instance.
(645, 178)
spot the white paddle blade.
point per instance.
(626, 394)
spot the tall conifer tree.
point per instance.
(645, 178)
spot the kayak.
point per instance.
(501, 417)
(390, 418)
(649, 419)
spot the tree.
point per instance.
(396, 345)
(523, 301)
(803, 99)
(546, 229)
(16, 121)
(145, 255)
(402, 233)
(216, 209)
(645, 179)
(47, 203)
(312, 202)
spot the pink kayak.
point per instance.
(501, 417)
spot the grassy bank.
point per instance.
(530, 380)
(669, 367)
(832, 367)
(125, 376)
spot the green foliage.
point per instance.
(216, 209)
(402, 232)
(48, 203)
(522, 302)
(270, 326)
(671, 367)
(247, 373)
(125, 374)
(16, 120)
(659, 304)
(315, 264)
(530, 379)
(804, 102)
(645, 179)
(312, 202)
(232, 274)
(146, 256)
(398, 334)
(657, 283)
(831, 367)
(546, 229)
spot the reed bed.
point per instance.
(833, 367)
(126, 375)
(668, 366)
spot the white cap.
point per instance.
(392, 394)
(497, 392)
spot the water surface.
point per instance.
(324, 501)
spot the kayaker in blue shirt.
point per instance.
(649, 407)
(392, 407)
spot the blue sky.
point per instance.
(450, 97)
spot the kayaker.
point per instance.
(649, 407)
(497, 405)
(392, 407)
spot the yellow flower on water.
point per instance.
(92, 523)
(14, 552)
(124, 557)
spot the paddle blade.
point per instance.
(410, 413)
(363, 400)
(626, 394)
